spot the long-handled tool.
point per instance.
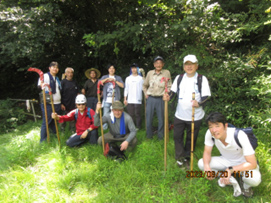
(53, 109)
(166, 137)
(192, 134)
(100, 112)
(44, 99)
(143, 73)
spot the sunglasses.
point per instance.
(80, 104)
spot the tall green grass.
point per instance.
(33, 172)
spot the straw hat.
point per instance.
(87, 72)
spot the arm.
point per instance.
(131, 126)
(119, 81)
(126, 92)
(146, 85)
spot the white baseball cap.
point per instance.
(191, 58)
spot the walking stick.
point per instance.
(143, 73)
(192, 134)
(100, 112)
(53, 109)
(166, 138)
(44, 99)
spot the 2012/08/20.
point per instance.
(215, 174)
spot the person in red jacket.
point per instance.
(86, 131)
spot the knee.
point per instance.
(254, 180)
(200, 164)
(69, 143)
(100, 142)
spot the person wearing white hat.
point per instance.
(86, 131)
(184, 85)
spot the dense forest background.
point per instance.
(230, 38)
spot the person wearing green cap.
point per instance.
(121, 126)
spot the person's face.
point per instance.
(69, 74)
(81, 107)
(134, 70)
(158, 65)
(92, 74)
(111, 70)
(53, 70)
(117, 113)
(218, 130)
(190, 68)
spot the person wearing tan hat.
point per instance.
(90, 87)
(121, 126)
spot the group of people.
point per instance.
(157, 88)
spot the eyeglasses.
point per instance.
(80, 104)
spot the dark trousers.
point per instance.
(75, 139)
(181, 149)
(155, 104)
(134, 110)
(92, 102)
(51, 122)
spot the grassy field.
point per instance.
(33, 172)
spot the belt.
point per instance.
(155, 96)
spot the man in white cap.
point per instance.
(86, 131)
(184, 85)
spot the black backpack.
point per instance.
(114, 152)
(199, 82)
(248, 131)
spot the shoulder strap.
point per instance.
(76, 114)
(199, 82)
(236, 138)
(179, 82)
(88, 113)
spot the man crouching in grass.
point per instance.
(121, 126)
(86, 131)
(234, 161)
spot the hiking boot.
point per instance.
(246, 192)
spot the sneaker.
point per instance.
(181, 162)
(246, 192)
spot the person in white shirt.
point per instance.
(234, 160)
(51, 79)
(133, 94)
(190, 82)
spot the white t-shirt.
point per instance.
(110, 91)
(57, 95)
(232, 151)
(133, 89)
(186, 88)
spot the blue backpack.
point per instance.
(76, 114)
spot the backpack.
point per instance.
(112, 150)
(248, 131)
(76, 114)
(199, 83)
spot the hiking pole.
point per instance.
(143, 73)
(100, 112)
(44, 99)
(53, 109)
(192, 133)
(166, 137)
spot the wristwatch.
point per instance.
(88, 130)
(231, 169)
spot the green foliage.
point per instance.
(10, 115)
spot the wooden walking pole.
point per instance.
(100, 113)
(53, 109)
(192, 134)
(166, 137)
(44, 100)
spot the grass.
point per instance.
(33, 172)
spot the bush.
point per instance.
(11, 115)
